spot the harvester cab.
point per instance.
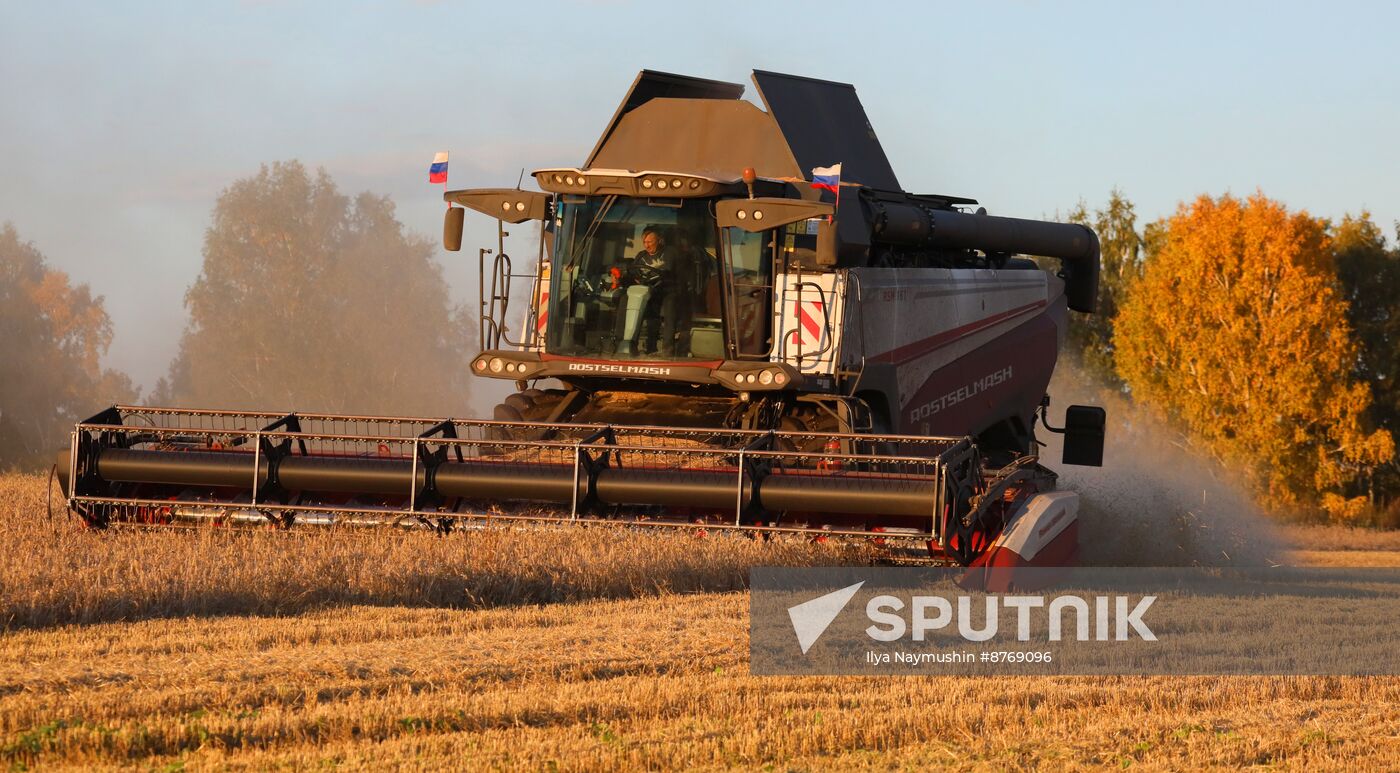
(690, 256)
(708, 340)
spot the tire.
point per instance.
(546, 401)
(507, 412)
(530, 405)
(789, 424)
(502, 412)
(520, 402)
(798, 423)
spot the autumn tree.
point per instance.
(53, 335)
(1370, 281)
(1120, 247)
(1238, 328)
(310, 300)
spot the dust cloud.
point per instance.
(1155, 502)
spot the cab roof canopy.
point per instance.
(677, 123)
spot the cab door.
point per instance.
(748, 277)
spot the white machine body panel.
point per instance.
(808, 318)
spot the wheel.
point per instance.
(502, 412)
(544, 403)
(530, 405)
(507, 412)
(801, 421)
(520, 402)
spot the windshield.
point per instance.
(635, 280)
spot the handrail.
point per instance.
(508, 278)
(858, 328)
(827, 336)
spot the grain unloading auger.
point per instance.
(707, 340)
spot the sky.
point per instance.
(121, 122)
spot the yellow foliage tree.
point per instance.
(53, 334)
(1238, 330)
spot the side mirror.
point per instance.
(1084, 431)
(452, 229)
(755, 215)
(510, 205)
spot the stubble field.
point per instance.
(570, 649)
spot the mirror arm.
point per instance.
(1044, 416)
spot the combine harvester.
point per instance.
(724, 345)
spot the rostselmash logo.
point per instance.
(961, 393)
(640, 370)
(1077, 618)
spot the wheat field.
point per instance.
(566, 650)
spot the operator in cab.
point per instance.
(649, 277)
(653, 262)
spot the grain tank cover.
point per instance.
(677, 123)
(707, 137)
(650, 85)
(824, 124)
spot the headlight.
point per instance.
(569, 179)
(497, 364)
(519, 206)
(675, 183)
(481, 365)
(780, 377)
(661, 184)
(741, 214)
(558, 178)
(758, 214)
(647, 183)
(766, 377)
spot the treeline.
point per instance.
(308, 300)
(1270, 337)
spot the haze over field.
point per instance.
(135, 117)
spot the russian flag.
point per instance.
(827, 178)
(437, 173)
